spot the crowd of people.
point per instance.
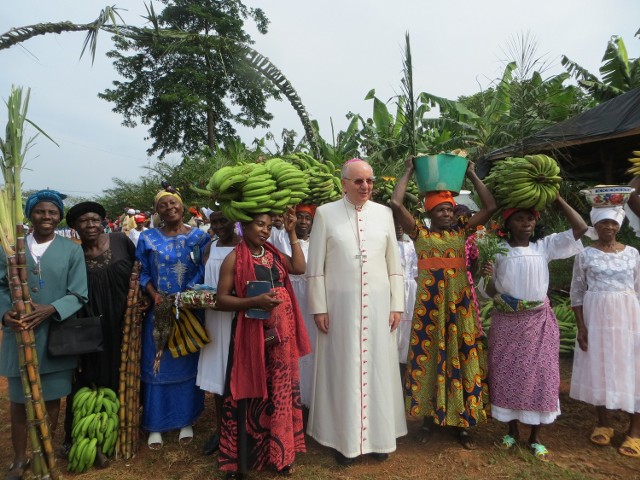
(339, 321)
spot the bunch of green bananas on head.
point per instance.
(531, 181)
(635, 163)
(244, 191)
(383, 190)
(324, 179)
(95, 425)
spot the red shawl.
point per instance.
(248, 372)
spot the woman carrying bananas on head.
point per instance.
(524, 340)
(445, 346)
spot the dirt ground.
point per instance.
(574, 457)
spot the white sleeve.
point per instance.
(561, 245)
(578, 281)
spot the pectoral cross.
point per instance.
(362, 257)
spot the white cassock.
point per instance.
(354, 275)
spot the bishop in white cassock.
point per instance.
(356, 293)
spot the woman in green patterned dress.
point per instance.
(446, 368)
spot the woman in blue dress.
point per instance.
(170, 261)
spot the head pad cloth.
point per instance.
(507, 212)
(310, 209)
(169, 191)
(433, 199)
(616, 214)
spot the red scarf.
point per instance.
(248, 372)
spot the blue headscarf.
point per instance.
(45, 195)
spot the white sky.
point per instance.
(333, 52)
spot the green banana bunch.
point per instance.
(383, 190)
(566, 325)
(95, 425)
(531, 181)
(635, 163)
(324, 179)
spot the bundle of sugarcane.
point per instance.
(130, 359)
(13, 243)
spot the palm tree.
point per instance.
(107, 21)
(619, 73)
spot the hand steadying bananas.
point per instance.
(95, 425)
(635, 163)
(531, 181)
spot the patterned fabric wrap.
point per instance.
(507, 304)
(446, 368)
(196, 299)
(187, 334)
(524, 361)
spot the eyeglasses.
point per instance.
(360, 181)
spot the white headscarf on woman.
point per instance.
(604, 213)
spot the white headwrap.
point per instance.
(604, 213)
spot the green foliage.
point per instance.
(184, 89)
(619, 73)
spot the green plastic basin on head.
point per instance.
(444, 171)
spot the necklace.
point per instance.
(264, 260)
(354, 228)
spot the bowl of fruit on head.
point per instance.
(607, 195)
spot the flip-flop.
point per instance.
(601, 436)
(186, 435)
(630, 447)
(155, 441)
(507, 442)
(539, 451)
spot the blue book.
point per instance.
(255, 288)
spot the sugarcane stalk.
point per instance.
(12, 149)
(129, 399)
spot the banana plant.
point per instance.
(619, 73)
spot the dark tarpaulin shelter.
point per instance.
(593, 146)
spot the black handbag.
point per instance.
(79, 334)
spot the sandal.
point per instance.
(601, 436)
(539, 451)
(22, 466)
(630, 447)
(466, 440)
(186, 435)
(506, 443)
(155, 441)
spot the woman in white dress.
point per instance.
(524, 340)
(604, 297)
(212, 366)
(409, 260)
(304, 215)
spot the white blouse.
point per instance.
(523, 272)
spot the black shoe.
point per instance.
(380, 457)
(211, 445)
(22, 466)
(344, 461)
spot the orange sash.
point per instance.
(441, 263)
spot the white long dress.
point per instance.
(607, 285)
(299, 284)
(409, 260)
(357, 404)
(212, 365)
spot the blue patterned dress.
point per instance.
(170, 399)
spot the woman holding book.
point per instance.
(262, 412)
